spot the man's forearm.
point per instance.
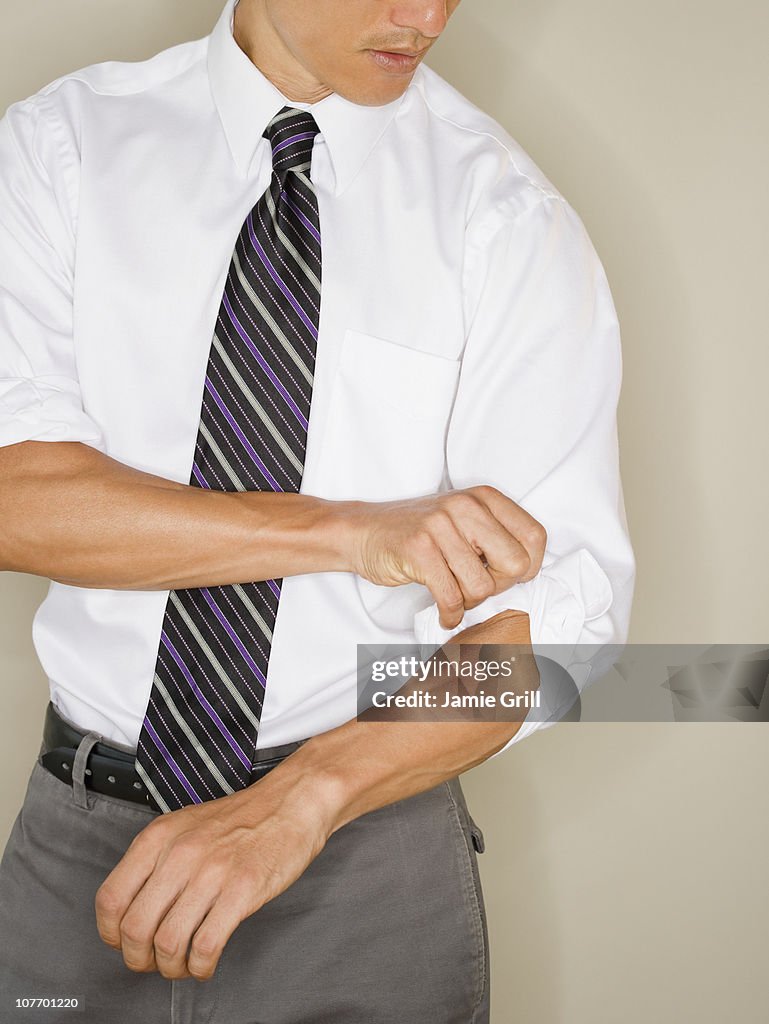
(72, 514)
(234, 854)
(361, 766)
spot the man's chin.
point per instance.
(372, 93)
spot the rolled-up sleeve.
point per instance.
(40, 397)
(535, 416)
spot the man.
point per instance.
(327, 361)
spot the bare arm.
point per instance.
(74, 515)
(193, 875)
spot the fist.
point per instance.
(464, 546)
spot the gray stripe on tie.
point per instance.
(256, 406)
(289, 349)
(300, 174)
(282, 115)
(152, 788)
(253, 610)
(221, 458)
(216, 664)
(289, 245)
(199, 748)
(282, 266)
(311, 200)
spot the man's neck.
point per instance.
(258, 38)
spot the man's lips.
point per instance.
(397, 62)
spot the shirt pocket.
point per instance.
(385, 431)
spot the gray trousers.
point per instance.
(387, 925)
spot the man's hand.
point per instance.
(464, 546)
(191, 876)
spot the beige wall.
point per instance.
(625, 871)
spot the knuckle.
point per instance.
(204, 948)
(202, 973)
(422, 544)
(138, 966)
(132, 933)
(474, 591)
(152, 832)
(439, 519)
(485, 491)
(213, 874)
(462, 502)
(107, 902)
(520, 564)
(189, 843)
(168, 941)
(150, 838)
(483, 588)
(166, 947)
(170, 973)
(536, 535)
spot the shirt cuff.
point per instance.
(567, 592)
(44, 409)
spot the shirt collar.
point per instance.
(246, 101)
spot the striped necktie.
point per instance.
(199, 733)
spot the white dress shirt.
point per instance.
(467, 336)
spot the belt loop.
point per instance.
(78, 768)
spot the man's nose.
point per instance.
(428, 17)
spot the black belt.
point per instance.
(112, 771)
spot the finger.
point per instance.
(118, 890)
(431, 570)
(474, 578)
(526, 530)
(143, 917)
(152, 902)
(175, 932)
(507, 561)
(211, 937)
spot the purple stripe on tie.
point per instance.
(294, 138)
(246, 443)
(233, 635)
(196, 473)
(307, 223)
(172, 763)
(274, 587)
(264, 365)
(276, 278)
(197, 691)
